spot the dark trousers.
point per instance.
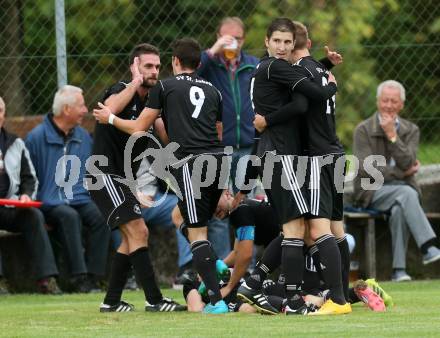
(69, 221)
(30, 222)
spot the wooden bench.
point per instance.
(369, 224)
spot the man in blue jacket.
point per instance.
(59, 149)
(230, 69)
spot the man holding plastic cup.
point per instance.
(229, 69)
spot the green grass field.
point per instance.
(416, 313)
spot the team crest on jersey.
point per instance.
(137, 209)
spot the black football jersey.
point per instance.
(191, 107)
(320, 117)
(110, 141)
(271, 87)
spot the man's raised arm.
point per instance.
(117, 102)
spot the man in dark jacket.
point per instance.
(395, 140)
(18, 182)
(231, 73)
(230, 70)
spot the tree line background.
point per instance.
(379, 39)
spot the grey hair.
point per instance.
(2, 101)
(65, 96)
(392, 84)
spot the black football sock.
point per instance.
(345, 264)
(269, 262)
(292, 265)
(118, 277)
(204, 262)
(314, 252)
(352, 296)
(144, 272)
(331, 260)
(312, 279)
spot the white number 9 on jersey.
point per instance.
(197, 97)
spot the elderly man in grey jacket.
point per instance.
(396, 139)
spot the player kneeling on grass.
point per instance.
(252, 225)
(196, 302)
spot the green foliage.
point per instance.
(405, 47)
(378, 39)
(100, 35)
(342, 25)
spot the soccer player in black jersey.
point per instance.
(191, 110)
(115, 200)
(326, 170)
(272, 86)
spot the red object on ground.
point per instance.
(19, 204)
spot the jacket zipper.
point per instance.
(236, 98)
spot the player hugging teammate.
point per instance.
(294, 96)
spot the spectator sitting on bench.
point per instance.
(69, 211)
(387, 134)
(18, 181)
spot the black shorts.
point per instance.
(258, 214)
(287, 192)
(326, 183)
(198, 210)
(115, 200)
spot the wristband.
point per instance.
(111, 118)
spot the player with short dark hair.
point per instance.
(326, 167)
(142, 49)
(191, 109)
(188, 50)
(272, 86)
(114, 198)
